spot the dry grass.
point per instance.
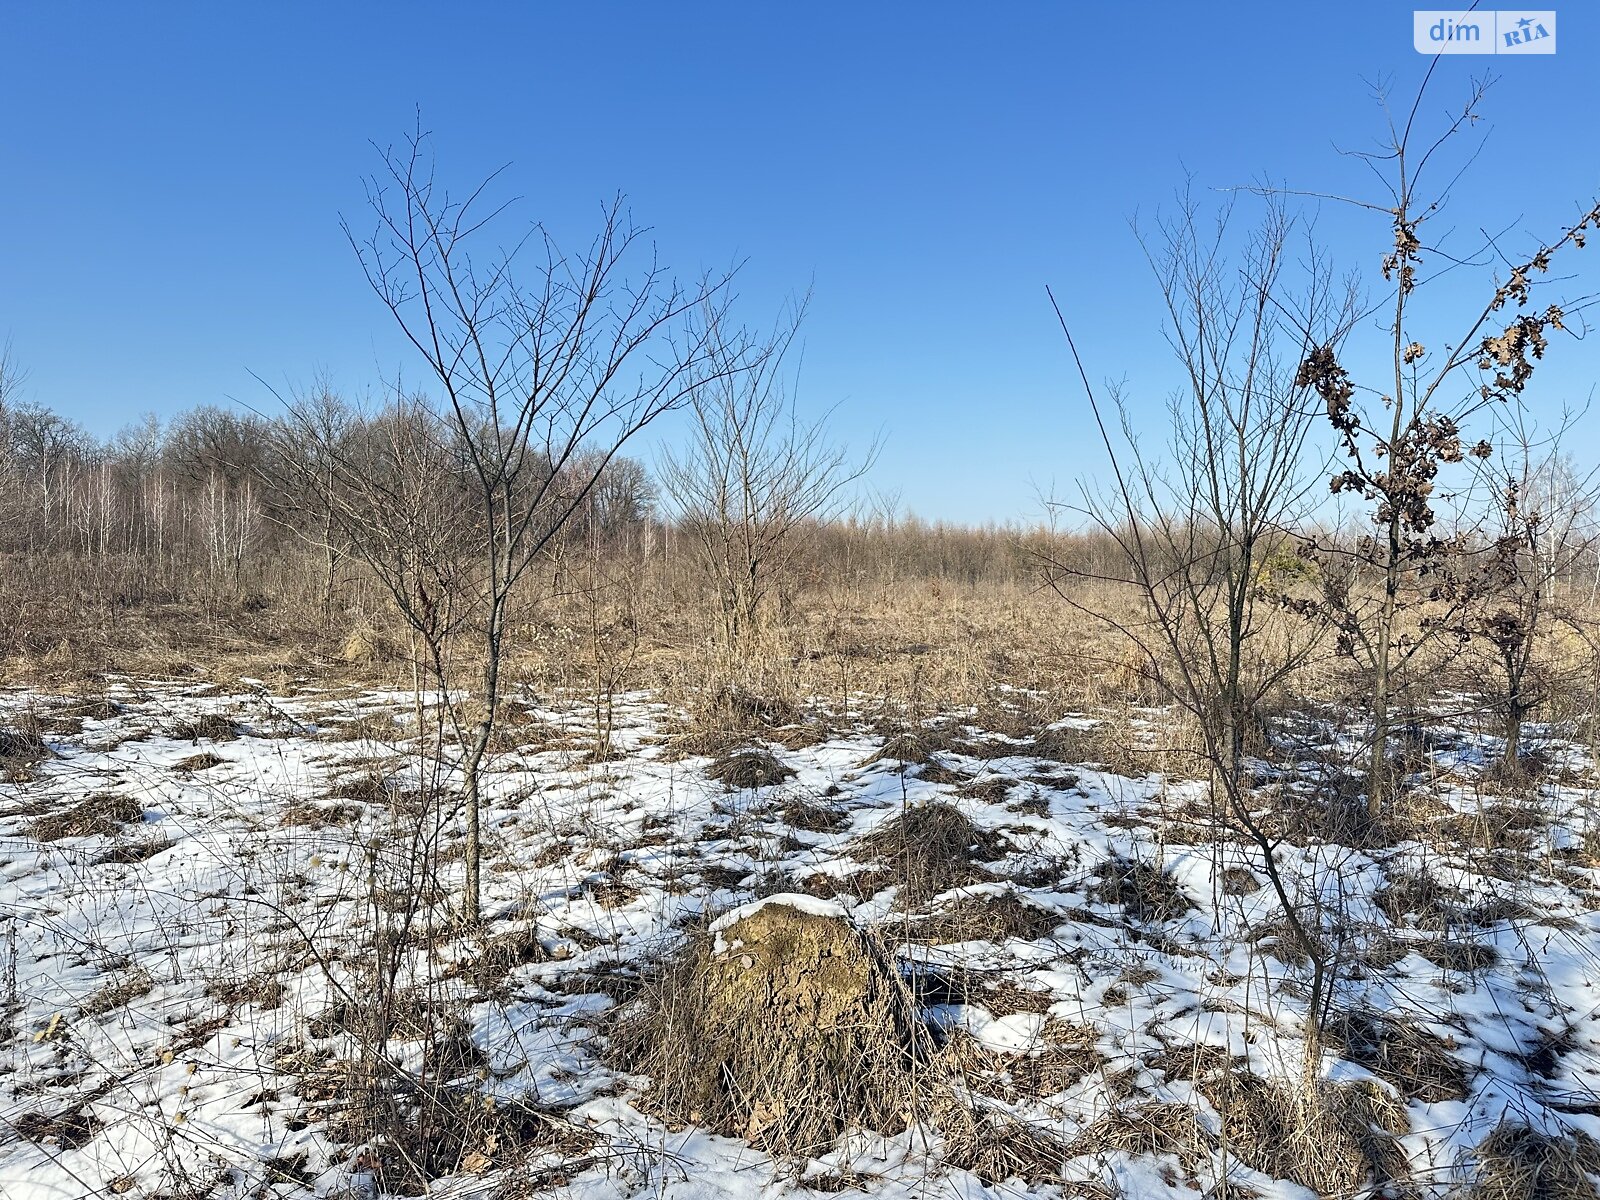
(1191, 1062)
(1144, 891)
(1279, 938)
(1463, 957)
(311, 814)
(789, 1029)
(69, 718)
(213, 727)
(1065, 1055)
(935, 771)
(22, 747)
(1239, 881)
(929, 849)
(1065, 744)
(367, 647)
(905, 750)
(987, 917)
(1417, 1063)
(100, 815)
(1335, 1140)
(813, 816)
(796, 1031)
(1516, 1162)
(505, 952)
(1418, 898)
(130, 986)
(198, 762)
(835, 1038)
(1148, 1127)
(725, 717)
(997, 1147)
(135, 851)
(745, 770)
(365, 787)
(378, 727)
(69, 1128)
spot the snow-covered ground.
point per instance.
(198, 889)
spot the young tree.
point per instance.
(11, 380)
(1542, 527)
(1193, 531)
(541, 380)
(1408, 579)
(754, 475)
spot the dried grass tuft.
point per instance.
(1516, 1162)
(1466, 958)
(1144, 891)
(213, 727)
(198, 762)
(906, 749)
(935, 771)
(796, 1029)
(991, 789)
(131, 985)
(1415, 1062)
(1064, 1056)
(989, 918)
(722, 719)
(1064, 744)
(813, 816)
(22, 745)
(366, 647)
(103, 815)
(1148, 1128)
(929, 849)
(997, 1147)
(749, 769)
(1419, 899)
(1334, 1140)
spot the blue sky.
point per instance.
(172, 175)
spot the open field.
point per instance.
(229, 967)
(1021, 621)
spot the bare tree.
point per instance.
(540, 384)
(11, 380)
(1541, 528)
(12, 377)
(1194, 530)
(755, 474)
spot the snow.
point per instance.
(178, 977)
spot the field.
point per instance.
(230, 967)
(526, 744)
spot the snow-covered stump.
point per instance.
(784, 1024)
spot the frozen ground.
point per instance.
(199, 890)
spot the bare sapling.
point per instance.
(1194, 530)
(755, 475)
(1540, 530)
(540, 380)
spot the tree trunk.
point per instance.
(472, 765)
(1513, 738)
(1516, 714)
(1378, 783)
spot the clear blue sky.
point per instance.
(171, 178)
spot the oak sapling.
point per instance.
(1392, 592)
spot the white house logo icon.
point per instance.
(1471, 31)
